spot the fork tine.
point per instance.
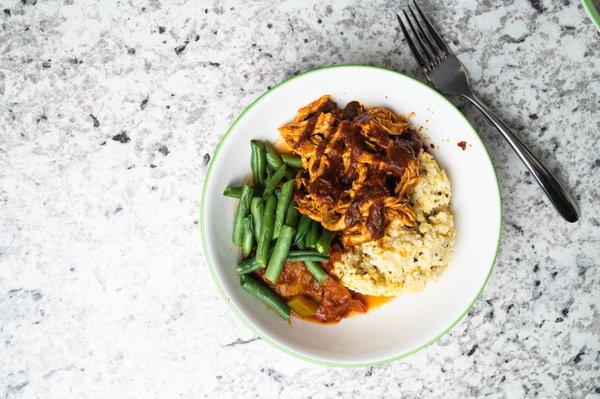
(430, 60)
(434, 49)
(414, 50)
(436, 36)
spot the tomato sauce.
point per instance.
(334, 300)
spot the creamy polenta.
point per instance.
(405, 259)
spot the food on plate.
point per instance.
(358, 166)
(406, 258)
(354, 208)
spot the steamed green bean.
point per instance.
(257, 208)
(324, 241)
(258, 161)
(247, 266)
(248, 240)
(273, 180)
(307, 255)
(273, 158)
(233, 192)
(303, 226)
(266, 233)
(293, 161)
(316, 270)
(280, 253)
(265, 294)
(291, 215)
(242, 211)
(284, 196)
(312, 236)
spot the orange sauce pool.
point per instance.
(373, 302)
(376, 301)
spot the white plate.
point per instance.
(407, 323)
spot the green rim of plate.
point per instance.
(592, 12)
(239, 314)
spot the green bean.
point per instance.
(324, 241)
(316, 270)
(273, 159)
(233, 192)
(258, 161)
(292, 160)
(257, 208)
(273, 180)
(284, 196)
(280, 253)
(291, 215)
(300, 244)
(265, 294)
(242, 211)
(303, 226)
(248, 241)
(266, 232)
(247, 266)
(312, 236)
(277, 213)
(307, 255)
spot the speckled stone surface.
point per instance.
(109, 111)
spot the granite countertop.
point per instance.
(109, 112)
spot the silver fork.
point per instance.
(449, 76)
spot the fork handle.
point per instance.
(559, 197)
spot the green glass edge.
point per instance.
(246, 322)
(592, 12)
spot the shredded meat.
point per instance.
(359, 165)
